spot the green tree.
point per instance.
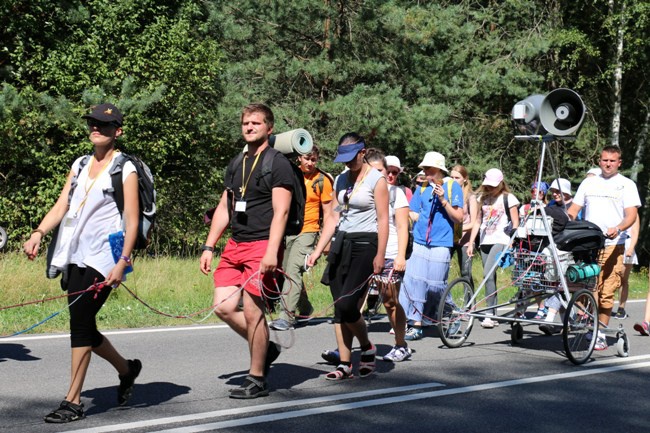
(154, 59)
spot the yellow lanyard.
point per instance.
(87, 187)
(243, 171)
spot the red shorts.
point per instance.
(239, 262)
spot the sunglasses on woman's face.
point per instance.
(393, 172)
(346, 196)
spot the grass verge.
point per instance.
(172, 285)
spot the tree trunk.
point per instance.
(618, 76)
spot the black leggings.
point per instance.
(83, 327)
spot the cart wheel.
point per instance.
(622, 345)
(516, 333)
(3, 238)
(454, 312)
(580, 326)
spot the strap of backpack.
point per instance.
(73, 182)
(116, 181)
(267, 166)
(392, 197)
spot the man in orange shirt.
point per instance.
(317, 209)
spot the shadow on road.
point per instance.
(17, 352)
(144, 395)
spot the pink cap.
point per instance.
(493, 177)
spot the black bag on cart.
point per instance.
(580, 236)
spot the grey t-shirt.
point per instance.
(359, 215)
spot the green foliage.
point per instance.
(410, 76)
(155, 61)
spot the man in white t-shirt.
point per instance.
(611, 201)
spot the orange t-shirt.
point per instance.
(315, 196)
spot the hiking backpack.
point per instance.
(317, 186)
(296, 217)
(146, 193)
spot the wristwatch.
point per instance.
(207, 248)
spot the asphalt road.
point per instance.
(487, 385)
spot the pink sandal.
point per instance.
(367, 363)
(342, 372)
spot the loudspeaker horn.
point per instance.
(525, 115)
(562, 113)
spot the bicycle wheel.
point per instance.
(580, 326)
(455, 321)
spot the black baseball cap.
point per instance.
(108, 113)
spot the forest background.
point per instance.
(412, 76)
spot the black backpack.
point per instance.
(146, 193)
(296, 217)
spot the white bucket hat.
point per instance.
(563, 185)
(393, 161)
(434, 159)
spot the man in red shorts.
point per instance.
(257, 216)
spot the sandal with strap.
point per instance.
(251, 388)
(67, 412)
(367, 363)
(342, 372)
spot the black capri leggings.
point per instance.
(83, 327)
(346, 309)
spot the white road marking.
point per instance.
(261, 408)
(403, 398)
(120, 332)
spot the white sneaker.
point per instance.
(489, 323)
(398, 354)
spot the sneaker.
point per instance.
(413, 334)
(541, 313)
(621, 314)
(392, 331)
(549, 329)
(251, 388)
(281, 325)
(601, 343)
(125, 389)
(454, 327)
(488, 323)
(331, 356)
(398, 354)
(643, 328)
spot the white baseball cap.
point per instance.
(393, 161)
(596, 171)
